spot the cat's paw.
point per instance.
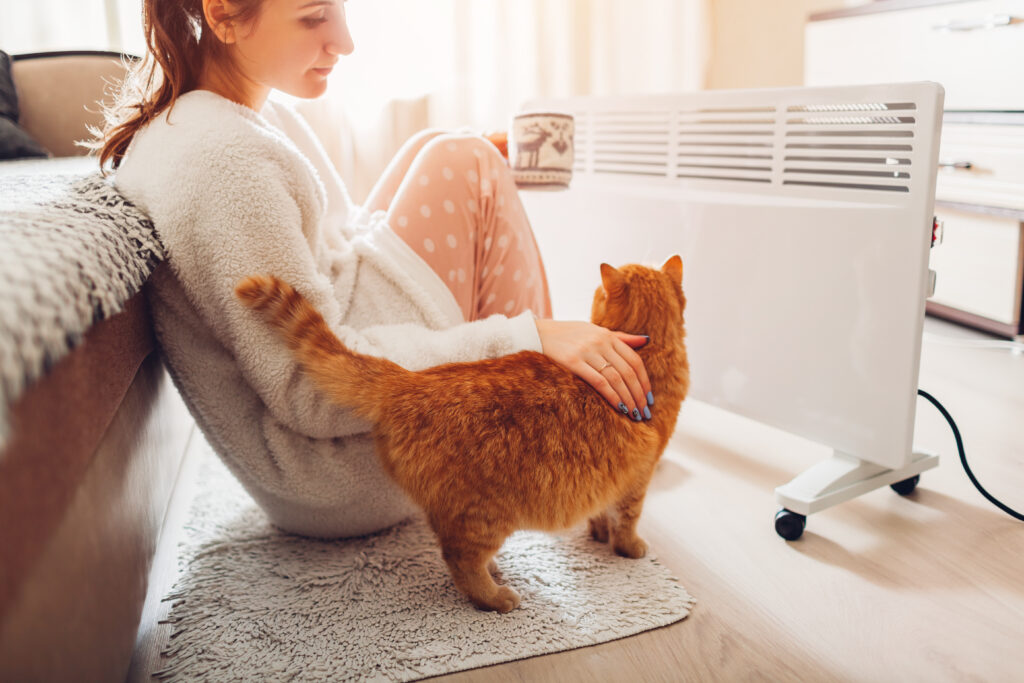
(634, 548)
(506, 600)
(503, 600)
(492, 567)
(599, 529)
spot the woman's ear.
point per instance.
(218, 15)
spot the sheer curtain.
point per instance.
(52, 25)
(477, 60)
(440, 63)
(472, 63)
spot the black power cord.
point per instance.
(963, 458)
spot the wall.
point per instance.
(760, 43)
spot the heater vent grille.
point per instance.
(631, 142)
(725, 143)
(862, 146)
(813, 135)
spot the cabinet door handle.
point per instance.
(952, 163)
(993, 21)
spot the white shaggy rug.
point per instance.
(253, 603)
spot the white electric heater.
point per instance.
(804, 219)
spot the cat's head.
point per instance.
(642, 300)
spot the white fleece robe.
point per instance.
(232, 193)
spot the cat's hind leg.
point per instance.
(470, 565)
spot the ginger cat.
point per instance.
(489, 447)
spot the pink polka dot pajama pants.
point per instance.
(452, 198)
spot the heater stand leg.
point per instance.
(839, 479)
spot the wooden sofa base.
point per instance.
(84, 487)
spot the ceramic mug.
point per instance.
(541, 150)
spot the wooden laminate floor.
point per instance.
(929, 587)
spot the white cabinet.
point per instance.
(981, 161)
(978, 265)
(974, 48)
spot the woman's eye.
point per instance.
(314, 21)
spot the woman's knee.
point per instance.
(417, 141)
(468, 148)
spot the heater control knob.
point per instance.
(938, 231)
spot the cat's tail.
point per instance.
(347, 377)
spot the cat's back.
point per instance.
(517, 431)
(521, 380)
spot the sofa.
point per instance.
(95, 433)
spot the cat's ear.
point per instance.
(674, 268)
(612, 280)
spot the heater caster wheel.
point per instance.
(906, 486)
(790, 525)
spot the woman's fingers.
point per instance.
(602, 382)
(633, 340)
(624, 380)
(620, 371)
(637, 378)
(609, 366)
(602, 358)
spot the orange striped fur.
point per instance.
(489, 447)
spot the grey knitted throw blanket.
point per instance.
(73, 251)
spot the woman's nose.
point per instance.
(340, 42)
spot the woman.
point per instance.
(439, 266)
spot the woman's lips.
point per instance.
(323, 71)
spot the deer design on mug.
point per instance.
(530, 148)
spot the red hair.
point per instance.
(179, 43)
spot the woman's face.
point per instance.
(291, 46)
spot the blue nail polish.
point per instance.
(623, 408)
(647, 413)
(650, 398)
(636, 414)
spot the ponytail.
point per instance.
(178, 42)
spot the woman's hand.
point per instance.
(603, 358)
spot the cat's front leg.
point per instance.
(599, 527)
(632, 547)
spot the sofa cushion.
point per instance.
(15, 143)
